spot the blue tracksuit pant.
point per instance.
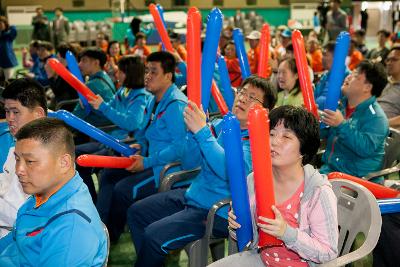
(119, 189)
(163, 222)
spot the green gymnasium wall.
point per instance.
(274, 16)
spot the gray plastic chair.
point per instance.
(197, 251)
(392, 156)
(357, 213)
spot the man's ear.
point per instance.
(38, 112)
(66, 162)
(169, 76)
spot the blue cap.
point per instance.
(286, 33)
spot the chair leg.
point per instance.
(195, 254)
(218, 250)
(232, 246)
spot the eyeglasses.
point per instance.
(243, 93)
(391, 59)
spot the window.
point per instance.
(180, 2)
(78, 3)
(218, 2)
(148, 2)
(251, 2)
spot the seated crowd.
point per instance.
(51, 213)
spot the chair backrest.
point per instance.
(392, 149)
(358, 212)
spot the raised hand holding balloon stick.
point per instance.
(304, 75)
(237, 179)
(262, 166)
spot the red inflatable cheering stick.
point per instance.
(264, 51)
(160, 27)
(62, 71)
(262, 166)
(194, 56)
(304, 74)
(104, 161)
(379, 191)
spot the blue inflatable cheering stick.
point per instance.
(93, 132)
(237, 179)
(241, 53)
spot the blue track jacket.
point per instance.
(101, 84)
(126, 110)
(66, 230)
(356, 146)
(162, 133)
(212, 184)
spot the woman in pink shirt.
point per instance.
(305, 210)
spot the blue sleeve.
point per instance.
(131, 118)
(214, 154)
(191, 156)
(181, 78)
(177, 132)
(10, 35)
(6, 241)
(69, 241)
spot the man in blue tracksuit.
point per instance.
(24, 101)
(58, 225)
(92, 63)
(125, 110)
(357, 132)
(159, 142)
(170, 220)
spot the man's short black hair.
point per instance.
(63, 47)
(28, 92)
(95, 53)
(330, 46)
(59, 9)
(375, 74)
(167, 61)
(384, 32)
(46, 45)
(304, 125)
(50, 132)
(265, 86)
(133, 68)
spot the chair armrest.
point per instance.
(384, 172)
(211, 214)
(167, 182)
(167, 167)
(63, 103)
